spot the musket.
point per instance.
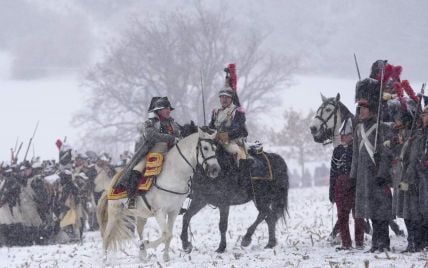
(379, 109)
(358, 69)
(203, 99)
(31, 139)
(17, 153)
(418, 109)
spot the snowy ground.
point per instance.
(302, 243)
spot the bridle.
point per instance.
(199, 168)
(325, 131)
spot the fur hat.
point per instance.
(367, 93)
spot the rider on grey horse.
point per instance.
(160, 133)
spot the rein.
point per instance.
(199, 166)
(329, 136)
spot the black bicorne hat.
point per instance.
(158, 103)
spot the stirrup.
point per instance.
(131, 203)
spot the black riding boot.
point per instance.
(132, 187)
(244, 167)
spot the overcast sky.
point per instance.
(46, 46)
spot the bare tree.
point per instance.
(297, 139)
(172, 55)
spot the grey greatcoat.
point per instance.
(373, 197)
(422, 173)
(410, 194)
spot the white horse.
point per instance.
(328, 119)
(163, 200)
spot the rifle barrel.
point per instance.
(356, 65)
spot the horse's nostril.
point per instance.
(313, 129)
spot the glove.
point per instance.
(387, 144)
(403, 186)
(222, 137)
(380, 181)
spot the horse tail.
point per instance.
(102, 216)
(116, 224)
(280, 169)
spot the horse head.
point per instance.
(328, 118)
(206, 152)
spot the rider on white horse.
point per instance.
(160, 133)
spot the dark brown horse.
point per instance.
(234, 187)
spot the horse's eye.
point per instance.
(205, 148)
(328, 110)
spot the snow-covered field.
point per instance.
(302, 243)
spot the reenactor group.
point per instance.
(43, 202)
(62, 196)
(380, 170)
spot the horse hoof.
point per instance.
(221, 249)
(166, 257)
(187, 247)
(246, 241)
(271, 244)
(143, 253)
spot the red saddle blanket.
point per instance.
(119, 192)
(153, 168)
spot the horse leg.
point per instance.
(271, 220)
(224, 217)
(246, 240)
(195, 206)
(162, 222)
(171, 219)
(141, 222)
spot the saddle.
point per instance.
(153, 168)
(261, 168)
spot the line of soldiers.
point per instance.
(47, 202)
(386, 148)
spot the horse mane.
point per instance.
(344, 111)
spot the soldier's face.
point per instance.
(165, 112)
(346, 139)
(225, 101)
(364, 113)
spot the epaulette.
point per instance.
(150, 122)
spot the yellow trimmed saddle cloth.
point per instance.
(153, 168)
(261, 169)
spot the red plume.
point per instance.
(391, 72)
(233, 76)
(409, 90)
(58, 144)
(396, 72)
(387, 72)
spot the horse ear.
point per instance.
(323, 98)
(338, 97)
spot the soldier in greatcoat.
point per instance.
(371, 163)
(422, 174)
(408, 188)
